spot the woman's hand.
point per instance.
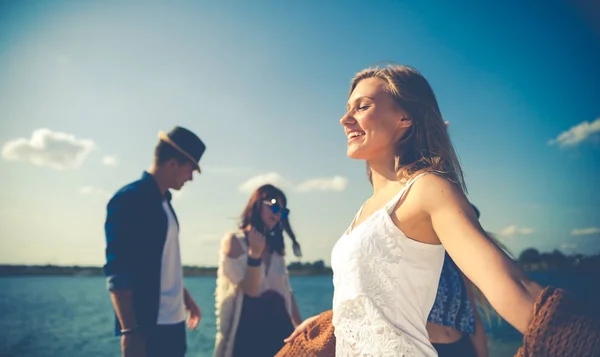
(256, 243)
(300, 329)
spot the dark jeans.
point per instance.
(166, 341)
(461, 348)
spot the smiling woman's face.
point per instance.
(373, 123)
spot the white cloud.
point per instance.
(576, 134)
(568, 246)
(255, 182)
(337, 183)
(93, 191)
(585, 231)
(109, 161)
(513, 230)
(49, 148)
(62, 60)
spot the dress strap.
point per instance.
(351, 227)
(389, 207)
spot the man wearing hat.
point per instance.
(143, 263)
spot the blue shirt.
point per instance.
(452, 306)
(136, 230)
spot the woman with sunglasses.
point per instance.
(255, 306)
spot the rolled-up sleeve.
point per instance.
(234, 269)
(119, 231)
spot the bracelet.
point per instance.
(254, 262)
(128, 331)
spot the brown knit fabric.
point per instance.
(560, 327)
(316, 341)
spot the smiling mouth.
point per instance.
(355, 134)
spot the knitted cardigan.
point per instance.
(317, 340)
(228, 309)
(229, 299)
(559, 328)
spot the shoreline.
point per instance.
(188, 271)
(294, 269)
(530, 260)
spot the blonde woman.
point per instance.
(388, 262)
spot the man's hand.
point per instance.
(133, 345)
(194, 313)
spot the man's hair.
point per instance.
(165, 152)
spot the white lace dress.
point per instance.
(384, 287)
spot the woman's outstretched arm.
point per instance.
(506, 286)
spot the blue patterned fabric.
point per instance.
(452, 306)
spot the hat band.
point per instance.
(162, 136)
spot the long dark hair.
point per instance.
(251, 216)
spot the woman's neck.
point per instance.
(382, 174)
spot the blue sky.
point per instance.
(86, 86)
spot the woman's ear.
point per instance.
(405, 122)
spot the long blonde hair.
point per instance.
(426, 145)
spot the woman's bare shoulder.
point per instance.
(433, 187)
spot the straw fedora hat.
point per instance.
(186, 142)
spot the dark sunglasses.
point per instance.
(276, 208)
